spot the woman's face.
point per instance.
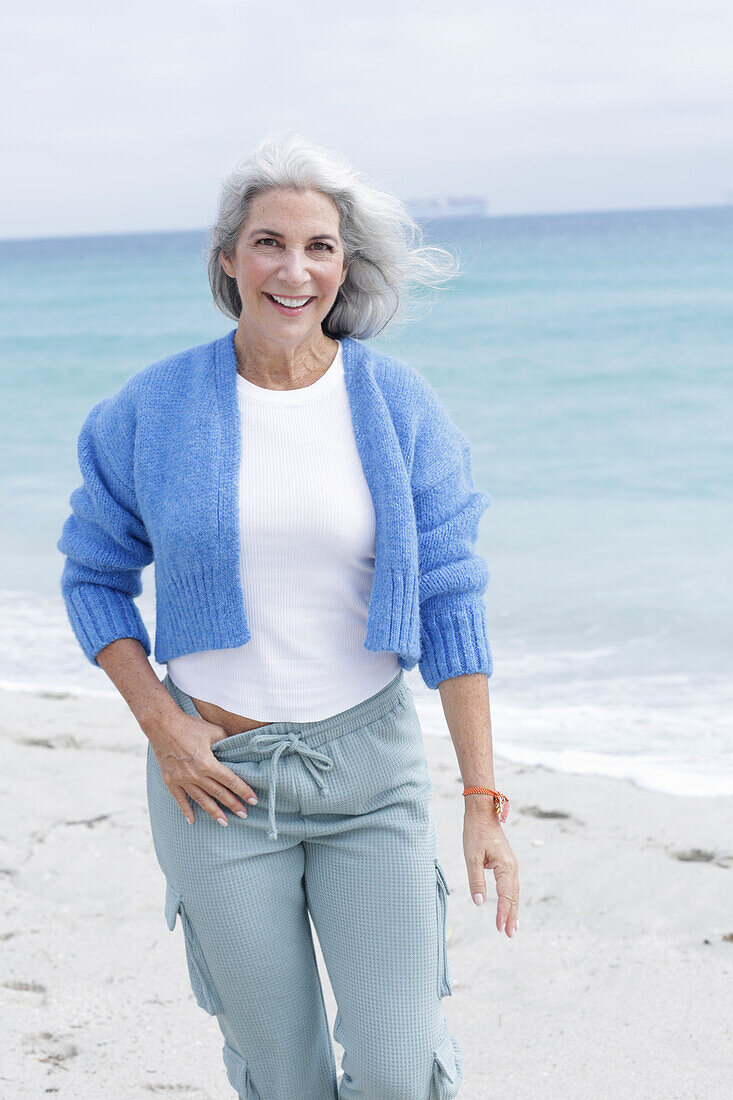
(289, 247)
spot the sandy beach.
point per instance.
(619, 983)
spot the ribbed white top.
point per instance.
(307, 536)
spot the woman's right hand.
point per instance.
(189, 768)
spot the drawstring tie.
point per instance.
(277, 745)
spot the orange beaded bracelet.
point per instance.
(501, 801)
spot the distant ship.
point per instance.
(448, 206)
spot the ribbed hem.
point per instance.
(199, 610)
(100, 615)
(393, 622)
(454, 641)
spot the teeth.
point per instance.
(290, 301)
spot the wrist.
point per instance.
(481, 813)
(153, 718)
(479, 803)
(490, 802)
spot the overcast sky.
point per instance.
(124, 117)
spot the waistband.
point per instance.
(300, 738)
(314, 733)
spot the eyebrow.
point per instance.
(274, 233)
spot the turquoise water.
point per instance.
(588, 357)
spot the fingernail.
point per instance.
(241, 813)
(222, 820)
(252, 801)
(479, 899)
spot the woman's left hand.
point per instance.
(485, 846)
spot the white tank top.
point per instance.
(307, 537)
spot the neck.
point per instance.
(283, 368)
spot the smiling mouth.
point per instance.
(289, 305)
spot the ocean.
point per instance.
(589, 359)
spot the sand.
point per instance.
(619, 983)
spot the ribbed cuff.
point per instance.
(453, 639)
(100, 615)
(393, 622)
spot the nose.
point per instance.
(293, 268)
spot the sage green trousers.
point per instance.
(343, 831)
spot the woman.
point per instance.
(311, 512)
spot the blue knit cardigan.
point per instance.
(160, 467)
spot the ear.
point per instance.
(226, 263)
(345, 273)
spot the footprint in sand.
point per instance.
(50, 1048)
(170, 1088)
(90, 822)
(703, 855)
(535, 811)
(64, 741)
(24, 987)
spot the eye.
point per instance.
(263, 239)
(325, 245)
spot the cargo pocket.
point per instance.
(238, 1074)
(447, 1068)
(445, 975)
(198, 971)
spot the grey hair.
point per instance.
(383, 244)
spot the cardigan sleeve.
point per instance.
(453, 577)
(106, 547)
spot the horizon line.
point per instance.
(489, 217)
